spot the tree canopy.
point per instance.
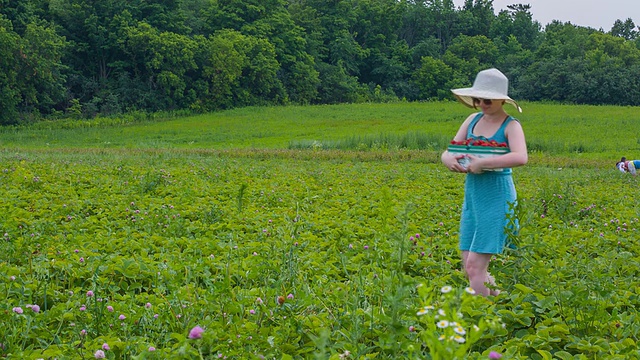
(85, 58)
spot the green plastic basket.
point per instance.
(478, 151)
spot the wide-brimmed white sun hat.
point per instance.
(489, 84)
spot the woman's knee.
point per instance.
(476, 266)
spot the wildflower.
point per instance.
(89, 293)
(459, 330)
(122, 317)
(442, 324)
(151, 348)
(252, 311)
(412, 328)
(35, 308)
(290, 296)
(18, 310)
(441, 312)
(83, 308)
(259, 301)
(81, 259)
(458, 339)
(155, 316)
(196, 332)
(12, 278)
(441, 337)
(446, 289)
(105, 346)
(366, 247)
(494, 355)
(110, 308)
(99, 354)
(280, 300)
(470, 291)
(425, 310)
(148, 305)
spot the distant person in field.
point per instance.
(488, 195)
(628, 166)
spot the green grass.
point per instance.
(579, 132)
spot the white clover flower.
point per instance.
(446, 289)
(442, 324)
(459, 330)
(470, 291)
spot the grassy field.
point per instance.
(322, 232)
(592, 132)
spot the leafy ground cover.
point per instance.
(289, 254)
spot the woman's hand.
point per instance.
(451, 162)
(475, 165)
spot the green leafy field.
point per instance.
(133, 235)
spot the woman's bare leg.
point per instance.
(476, 266)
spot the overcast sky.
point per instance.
(593, 13)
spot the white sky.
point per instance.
(593, 13)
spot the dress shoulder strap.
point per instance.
(473, 123)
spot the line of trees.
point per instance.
(83, 58)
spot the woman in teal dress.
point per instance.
(488, 195)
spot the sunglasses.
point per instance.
(487, 102)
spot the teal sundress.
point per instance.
(487, 198)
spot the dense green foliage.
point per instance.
(81, 58)
(120, 250)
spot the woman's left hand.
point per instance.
(475, 165)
